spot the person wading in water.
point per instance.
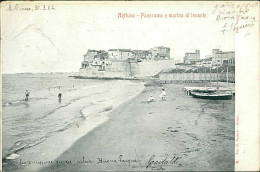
(27, 93)
(59, 96)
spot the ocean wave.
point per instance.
(54, 110)
(89, 109)
(63, 129)
(13, 103)
(15, 149)
(21, 101)
(12, 156)
(82, 110)
(18, 146)
(106, 109)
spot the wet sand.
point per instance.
(88, 108)
(181, 133)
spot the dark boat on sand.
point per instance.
(213, 95)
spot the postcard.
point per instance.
(130, 86)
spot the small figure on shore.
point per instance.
(59, 96)
(27, 93)
(151, 99)
(163, 95)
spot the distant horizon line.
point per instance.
(39, 73)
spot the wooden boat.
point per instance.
(212, 96)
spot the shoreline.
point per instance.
(97, 115)
(183, 131)
(105, 78)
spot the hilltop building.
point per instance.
(205, 62)
(143, 55)
(223, 58)
(114, 63)
(160, 53)
(125, 63)
(95, 59)
(191, 58)
(121, 54)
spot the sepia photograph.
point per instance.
(130, 86)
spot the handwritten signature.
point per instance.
(158, 164)
(235, 16)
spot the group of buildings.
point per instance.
(100, 59)
(120, 62)
(218, 57)
(127, 62)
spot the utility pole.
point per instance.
(227, 78)
(227, 74)
(130, 68)
(210, 76)
(217, 76)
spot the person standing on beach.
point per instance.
(163, 95)
(27, 93)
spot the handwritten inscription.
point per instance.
(152, 163)
(235, 16)
(30, 8)
(158, 164)
(99, 160)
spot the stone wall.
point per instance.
(151, 68)
(126, 68)
(117, 68)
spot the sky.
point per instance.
(56, 40)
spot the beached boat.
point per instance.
(210, 93)
(213, 95)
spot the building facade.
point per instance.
(191, 58)
(95, 60)
(143, 55)
(160, 53)
(207, 62)
(125, 62)
(121, 54)
(113, 54)
(223, 58)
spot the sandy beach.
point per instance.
(181, 133)
(58, 125)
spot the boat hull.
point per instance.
(212, 96)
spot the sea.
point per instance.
(30, 123)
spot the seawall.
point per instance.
(128, 69)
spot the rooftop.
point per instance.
(125, 50)
(98, 51)
(121, 50)
(225, 52)
(162, 47)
